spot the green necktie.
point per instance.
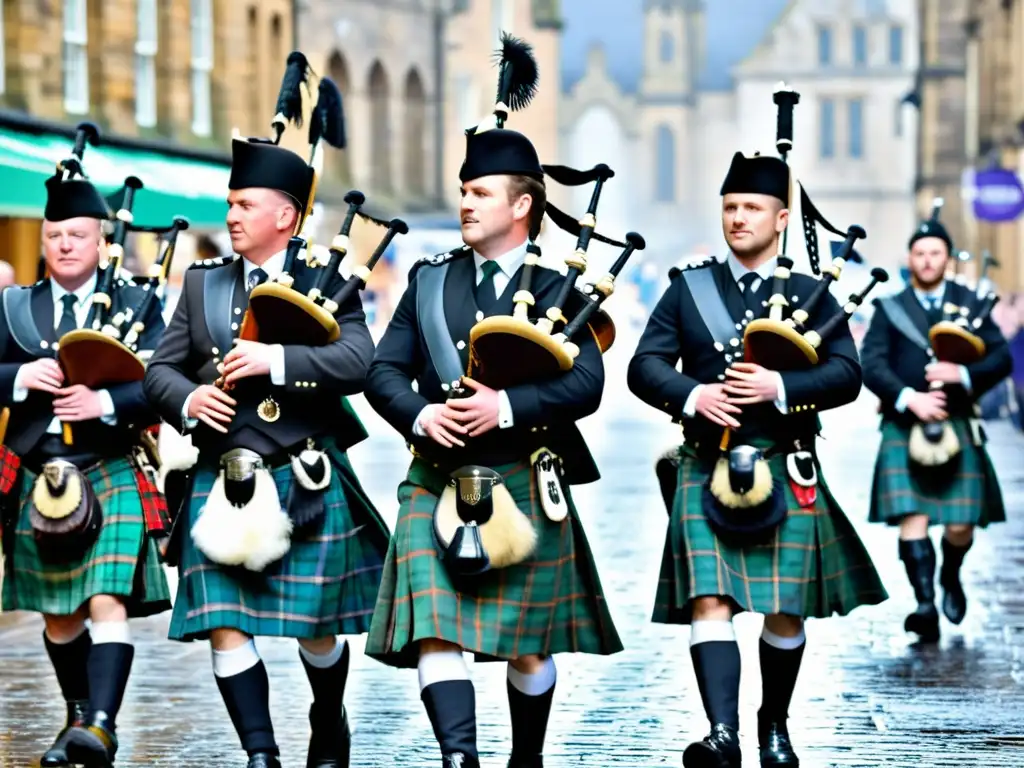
(486, 296)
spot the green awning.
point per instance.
(173, 186)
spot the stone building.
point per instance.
(665, 91)
(166, 81)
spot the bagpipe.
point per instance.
(934, 446)
(741, 497)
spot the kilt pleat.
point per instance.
(970, 497)
(815, 566)
(123, 561)
(325, 585)
(552, 603)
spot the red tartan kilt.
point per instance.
(154, 506)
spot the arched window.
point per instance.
(380, 127)
(667, 47)
(665, 165)
(415, 134)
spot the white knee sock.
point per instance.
(711, 631)
(783, 643)
(111, 632)
(536, 683)
(323, 660)
(235, 661)
(441, 666)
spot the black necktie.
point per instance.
(749, 296)
(486, 295)
(256, 277)
(68, 322)
(933, 308)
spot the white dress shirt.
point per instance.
(926, 298)
(738, 270)
(508, 264)
(273, 267)
(82, 305)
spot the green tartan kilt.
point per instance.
(969, 495)
(325, 585)
(815, 565)
(123, 561)
(552, 603)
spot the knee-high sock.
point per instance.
(242, 679)
(529, 706)
(110, 664)
(70, 662)
(780, 665)
(952, 558)
(327, 673)
(918, 556)
(716, 662)
(450, 701)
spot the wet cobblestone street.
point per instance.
(866, 696)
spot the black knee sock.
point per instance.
(529, 710)
(779, 670)
(328, 684)
(451, 707)
(110, 664)
(952, 558)
(717, 666)
(918, 556)
(70, 661)
(247, 696)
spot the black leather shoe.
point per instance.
(263, 760)
(776, 751)
(719, 749)
(924, 622)
(57, 755)
(459, 760)
(329, 747)
(92, 744)
(536, 761)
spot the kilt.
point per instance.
(814, 566)
(552, 603)
(325, 585)
(971, 497)
(122, 562)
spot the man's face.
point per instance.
(72, 248)
(257, 217)
(751, 223)
(929, 258)
(486, 213)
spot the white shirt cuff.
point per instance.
(20, 393)
(904, 399)
(109, 415)
(186, 422)
(965, 378)
(780, 402)
(417, 428)
(277, 365)
(504, 410)
(690, 406)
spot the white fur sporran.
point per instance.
(933, 453)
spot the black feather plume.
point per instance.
(289, 98)
(328, 119)
(517, 72)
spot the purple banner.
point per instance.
(998, 195)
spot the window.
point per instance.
(860, 46)
(202, 63)
(824, 46)
(895, 45)
(76, 58)
(855, 115)
(665, 166)
(666, 48)
(145, 64)
(502, 18)
(827, 130)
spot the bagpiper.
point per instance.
(752, 523)
(75, 493)
(929, 354)
(276, 537)
(489, 554)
